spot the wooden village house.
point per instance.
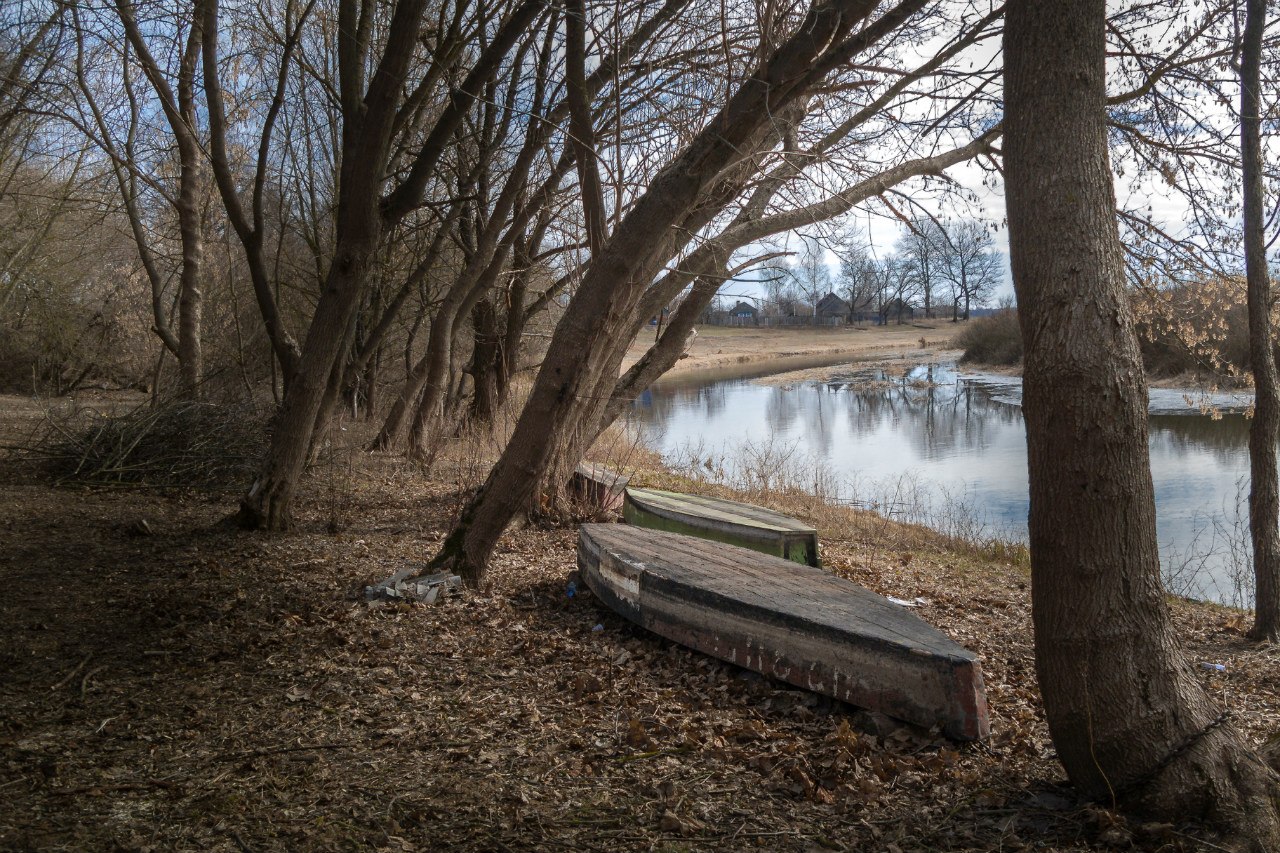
(831, 310)
(744, 314)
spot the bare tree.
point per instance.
(120, 130)
(860, 279)
(1129, 721)
(811, 275)
(374, 106)
(922, 250)
(684, 197)
(969, 264)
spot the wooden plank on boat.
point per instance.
(722, 520)
(793, 622)
(599, 486)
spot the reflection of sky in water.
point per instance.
(963, 435)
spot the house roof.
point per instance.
(742, 307)
(832, 304)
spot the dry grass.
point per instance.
(721, 347)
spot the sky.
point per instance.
(1148, 192)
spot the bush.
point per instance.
(992, 340)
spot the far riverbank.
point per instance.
(723, 347)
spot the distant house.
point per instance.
(744, 314)
(832, 307)
(898, 309)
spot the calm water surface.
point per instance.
(937, 439)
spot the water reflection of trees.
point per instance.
(938, 418)
(654, 409)
(1226, 438)
(783, 405)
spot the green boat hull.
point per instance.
(719, 520)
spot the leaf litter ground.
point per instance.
(178, 685)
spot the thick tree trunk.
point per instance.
(1264, 431)
(268, 503)
(1129, 720)
(368, 121)
(486, 359)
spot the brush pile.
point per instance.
(182, 444)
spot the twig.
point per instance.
(641, 756)
(14, 781)
(72, 674)
(280, 750)
(84, 682)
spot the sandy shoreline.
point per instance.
(718, 347)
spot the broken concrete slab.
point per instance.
(407, 585)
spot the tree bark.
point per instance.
(180, 113)
(1130, 723)
(190, 222)
(1264, 431)
(486, 357)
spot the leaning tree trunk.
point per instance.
(1130, 722)
(1264, 431)
(612, 394)
(601, 311)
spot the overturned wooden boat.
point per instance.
(722, 520)
(792, 622)
(598, 486)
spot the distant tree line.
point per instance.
(935, 270)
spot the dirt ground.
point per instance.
(182, 686)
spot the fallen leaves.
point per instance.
(251, 700)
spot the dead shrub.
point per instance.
(992, 340)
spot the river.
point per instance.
(947, 447)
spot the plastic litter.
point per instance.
(1214, 667)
